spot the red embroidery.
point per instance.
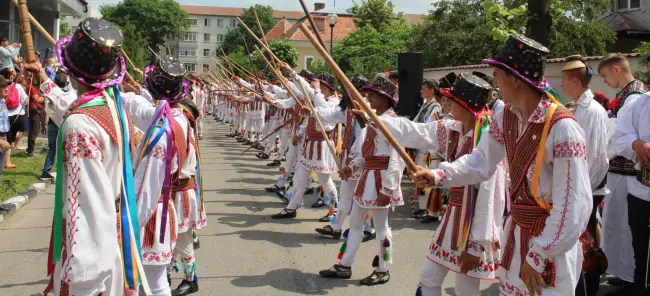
(540, 112)
(570, 150)
(441, 177)
(565, 207)
(157, 257)
(158, 152)
(512, 290)
(71, 222)
(47, 87)
(496, 132)
(476, 247)
(441, 132)
(81, 145)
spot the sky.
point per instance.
(410, 6)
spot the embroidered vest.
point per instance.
(426, 111)
(525, 212)
(619, 164)
(102, 116)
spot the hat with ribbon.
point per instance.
(92, 55)
(359, 81)
(327, 79)
(383, 87)
(166, 79)
(524, 58)
(469, 91)
(484, 76)
(576, 62)
(447, 81)
(306, 74)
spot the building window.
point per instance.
(187, 52)
(628, 4)
(206, 52)
(219, 23)
(206, 37)
(191, 36)
(194, 22)
(308, 61)
(233, 23)
(206, 67)
(219, 37)
(207, 22)
(190, 67)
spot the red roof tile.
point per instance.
(233, 11)
(343, 28)
(281, 28)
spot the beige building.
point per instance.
(552, 73)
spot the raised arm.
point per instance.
(141, 110)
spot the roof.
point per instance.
(233, 11)
(343, 28)
(281, 28)
(550, 61)
(621, 21)
(415, 18)
(336, 10)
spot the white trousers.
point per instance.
(199, 126)
(433, 275)
(285, 142)
(157, 278)
(254, 128)
(185, 250)
(345, 203)
(355, 236)
(241, 121)
(302, 180)
(265, 132)
(270, 141)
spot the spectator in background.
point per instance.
(603, 100)
(14, 98)
(4, 121)
(61, 80)
(50, 68)
(8, 52)
(35, 115)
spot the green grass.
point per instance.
(27, 172)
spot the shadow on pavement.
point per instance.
(284, 239)
(41, 282)
(248, 192)
(493, 290)
(292, 280)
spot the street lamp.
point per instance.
(333, 19)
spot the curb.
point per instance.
(14, 204)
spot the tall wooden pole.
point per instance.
(26, 28)
(38, 26)
(356, 96)
(259, 26)
(312, 23)
(281, 79)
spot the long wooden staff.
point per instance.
(37, 25)
(315, 115)
(26, 28)
(259, 26)
(272, 132)
(238, 84)
(356, 96)
(281, 79)
(260, 42)
(236, 65)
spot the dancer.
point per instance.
(541, 252)
(377, 190)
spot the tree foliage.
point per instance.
(157, 20)
(64, 29)
(235, 37)
(375, 13)
(284, 50)
(132, 44)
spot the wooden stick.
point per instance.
(260, 42)
(26, 28)
(281, 79)
(238, 84)
(38, 26)
(128, 59)
(312, 23)
(259, 26)
(356, 96)
(236, 65)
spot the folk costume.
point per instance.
(159, 159)
(277, 117)
(616, 232)
(255, 114)
(95, 206)
(472, 221)
(630, 128)
(381, 172)
(593, 119)
(550, 193)
(314, 155)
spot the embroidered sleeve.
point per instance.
(476, 248)
(495, 132)
(570, 196)
(90, 226)
(570, 149)
(149, 179)
(57, 101)
(141, 110)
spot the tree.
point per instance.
(283, 49)
(235, 38)
(368, 51)
(374, 13)
(454, 33)
(64, 29)
(132, 44)
(157, 20)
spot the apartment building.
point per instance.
(208, 28)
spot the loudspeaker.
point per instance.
(410, 69)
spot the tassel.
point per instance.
(345, 244)
(150, 231)
(375, 262)
(386, 250)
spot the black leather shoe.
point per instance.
(262, 155)
(339, 272)
(325, 218)
(309, 191)
(281, 193)
(275, 163)
(418, 212)
(169, 279)
(197, 244)
(329, 231)
(273, 188)
(318, 204)
(285, 214)
(369, 236)
(421, 215)
(376, 278)
(429, 219)
(186, 288)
